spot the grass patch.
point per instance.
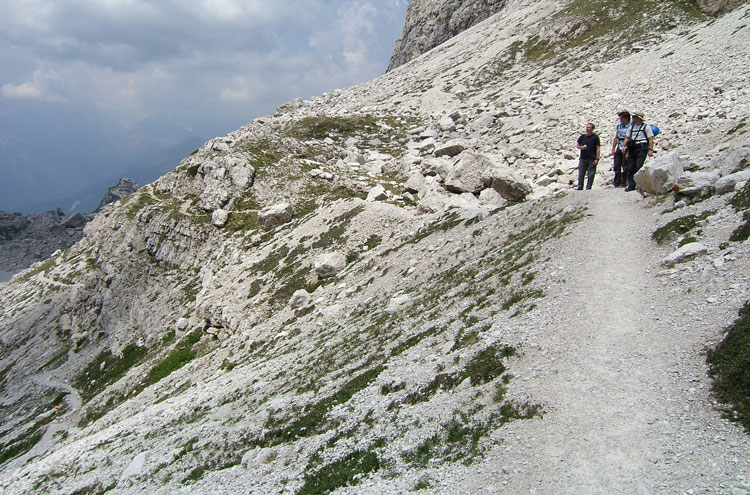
(312, 418)
(172, 362)
(729, 365)
(482, 368)
(741, 200)
(343, 472)
(742, 233)
(20, 445)
(679, 226)
(107, 369)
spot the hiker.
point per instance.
(590, 147)
(618, 152)
(638, 143)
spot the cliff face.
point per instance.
(432, 22)
(388, 288)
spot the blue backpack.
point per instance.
(655, 129)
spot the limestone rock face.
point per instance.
(432, 22)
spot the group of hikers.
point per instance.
(632, 143)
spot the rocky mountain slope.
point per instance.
(392, 287)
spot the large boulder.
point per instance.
(415, 183)
(733, 162)
(465, 200)
(509, 184)
(469, 173)
(660, 175)
(491, 197)
(693, 183)
(273, 216)
(327, 265)
(728, 183)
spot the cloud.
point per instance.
(23, 91)
(114, 68)
(38, 88)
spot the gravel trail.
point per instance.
(626, 396)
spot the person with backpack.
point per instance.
(618, 152)
(590, 147)
(639, 143)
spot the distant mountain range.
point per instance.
(88, 197)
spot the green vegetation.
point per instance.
(20, 445)
(342, 472)
(482, 368)
(687, 240)
(172, 362)
(311, 419)
(729, 366)
(373, 241)
(517, 297)
(136, 202)
(742, 233)
(106, 369)
(459, 439)
(741, 200)
(386, 134)
(678, 226)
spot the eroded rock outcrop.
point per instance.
(432, 22)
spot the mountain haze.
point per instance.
(395, 288)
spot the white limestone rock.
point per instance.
(684, 253)
(451, 148)
(728, 183)
(135, 468)
(273, 216)
(491, 197)
(415, 183)
(734, 161)
(299, 299)
(377, 193)
(660, 175)
(692, 183)
(397, 303)
(219, 217)
(439, 167)
(509, 184)
(465, 200)
(327, 265)
(469, 173)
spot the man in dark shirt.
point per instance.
(590, 146)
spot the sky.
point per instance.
(89, 88)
